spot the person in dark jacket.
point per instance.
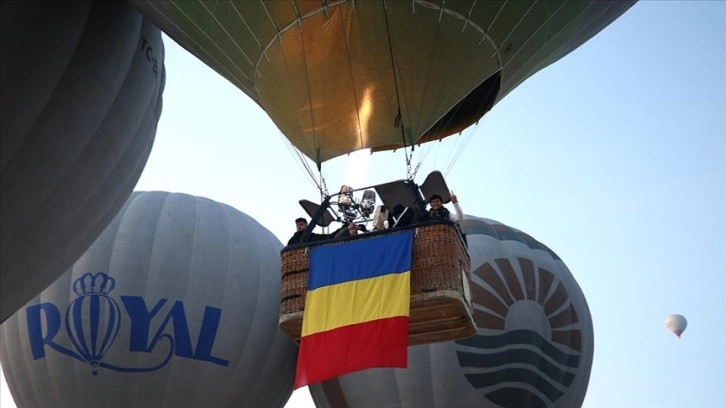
(400, 216)
(300, 225)
(437, 211)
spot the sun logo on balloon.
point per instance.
(528, 345)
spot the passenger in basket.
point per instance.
(352, 229)
(437, 211)
(400, 216)
(348, 230)
(301, 224)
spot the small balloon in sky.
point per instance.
(676, 324)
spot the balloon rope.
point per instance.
(352, 79)
(307, 84)
(302, 162)
(323, 187)
(320, 185)
(398, 121)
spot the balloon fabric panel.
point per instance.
(72, 152)
(336, 77)
(175, 304)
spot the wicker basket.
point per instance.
(440, 272)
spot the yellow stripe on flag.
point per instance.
(359, 301)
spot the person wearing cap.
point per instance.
(301, 224)
(352, 229)
(437, 211)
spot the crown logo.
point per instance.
(96, 284)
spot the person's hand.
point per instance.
(454, 200)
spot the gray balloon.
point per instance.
(533, 347)
(81, 93)
(175, 304)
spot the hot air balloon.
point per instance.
(339, 76)
(533, 346)
(81, 96)
(676, 324)
(175, 304)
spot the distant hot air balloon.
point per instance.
(339, 76)
(175, 304)
(533, 347)
(676, 324)
(81, 95)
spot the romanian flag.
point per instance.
(357, 308)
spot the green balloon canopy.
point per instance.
(339, 76)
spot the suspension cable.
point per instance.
(300, 160)
(323, 187)
(398, 121)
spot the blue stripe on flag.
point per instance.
(361, 259)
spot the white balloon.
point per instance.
(533, 347)
(676, 324)
(81, 96)
(174, 305)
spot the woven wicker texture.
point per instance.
(440, 308)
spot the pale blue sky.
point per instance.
(614, 157)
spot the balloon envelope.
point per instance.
(676, 324)
(339, 76)
(175, 304)
(533, 347)
(81, 97)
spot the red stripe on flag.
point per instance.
(329, 354)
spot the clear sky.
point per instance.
(614, 157)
